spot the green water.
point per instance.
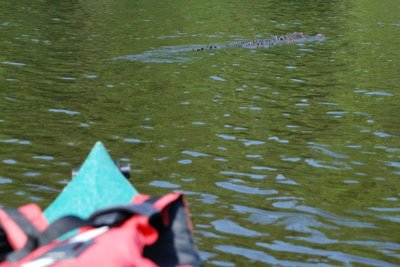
(289, 156)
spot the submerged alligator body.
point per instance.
(183, 53)
(296, 37)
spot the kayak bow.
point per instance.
(98, 184)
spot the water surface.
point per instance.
(289, 156)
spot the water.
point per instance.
(288, 156)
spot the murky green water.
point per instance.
(289, 156)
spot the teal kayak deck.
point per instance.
(98, 184)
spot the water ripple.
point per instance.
(164, 184)
(65, 111)
(17, 64)
(16, 141)
(246, 189)
(204, 197)
(263, 168)
(394, 164)
(334, 166)
(334, 218)
(279, 140)
(280, 178)
(383, 134)
(229, 227)
(327, 152)
(250, 175)
(226, 137)
(194, 153)
(185, 161)
(373, 93)
(342, 257)
(301, 222)
(259, 256)
(247, 142)
(217, 78)
(135, 141)
(10, 161)
(44, 157)
(4, 180)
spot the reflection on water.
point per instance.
(288, 156)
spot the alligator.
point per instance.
(297, 37)
(181, 53)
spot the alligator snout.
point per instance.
(320, 37)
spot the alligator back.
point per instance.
(270, 42)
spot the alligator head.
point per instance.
(298, 37)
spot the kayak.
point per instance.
(99, 212)
(98, 184)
